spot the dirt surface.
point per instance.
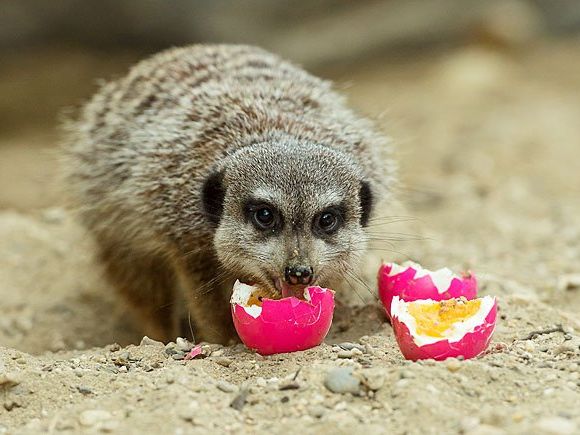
(488, 144)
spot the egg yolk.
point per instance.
(256, 298)
(436, 318)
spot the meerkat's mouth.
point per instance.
(287, 290)
(278, 288)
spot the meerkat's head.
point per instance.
(288, 215)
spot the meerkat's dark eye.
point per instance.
(327, 222)
(264, 217)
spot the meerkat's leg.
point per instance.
(148, 284)
(208, 293)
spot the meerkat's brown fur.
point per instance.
(142, 148)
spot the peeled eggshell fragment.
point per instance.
(411, 282)
(464, 338)
(283, 325)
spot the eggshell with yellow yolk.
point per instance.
(466, 340)
(283, 325)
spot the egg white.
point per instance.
(240, 296)
(456, 332)
(441, 277)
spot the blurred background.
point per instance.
(481, 98)
(383, 53)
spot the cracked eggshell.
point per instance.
(284, 325)
(411, 282)
(466, 339)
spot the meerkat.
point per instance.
(211, 163)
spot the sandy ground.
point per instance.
(488, 144)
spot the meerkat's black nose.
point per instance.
(299, 275)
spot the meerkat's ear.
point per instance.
(212, 196)
(366, 202)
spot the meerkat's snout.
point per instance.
(299, 275)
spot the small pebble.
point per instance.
(469, 423)
(556, 426)
(240, 400)
(84, 390)
(189, 411)
(486, 429)
(226, 387)
(291, 385)
(91, 417)
(146, 341)
(569, 346)
(122, 358)
(453, 364)
(9, 380)
(350, 346)
(569, 282)
(10, 404)
(178, 355)
(345, 354)
(183, 344)
(406, 374)
(317, 411)
(341, 380)
(567, 329)
(223, 361)
(373, 379)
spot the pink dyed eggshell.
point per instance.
(288, 324)
(410, 289)
(469, 346)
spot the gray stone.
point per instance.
(179, 355)
(341, 380)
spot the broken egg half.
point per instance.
(411, 282)
(289, 324)
(457, 327)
